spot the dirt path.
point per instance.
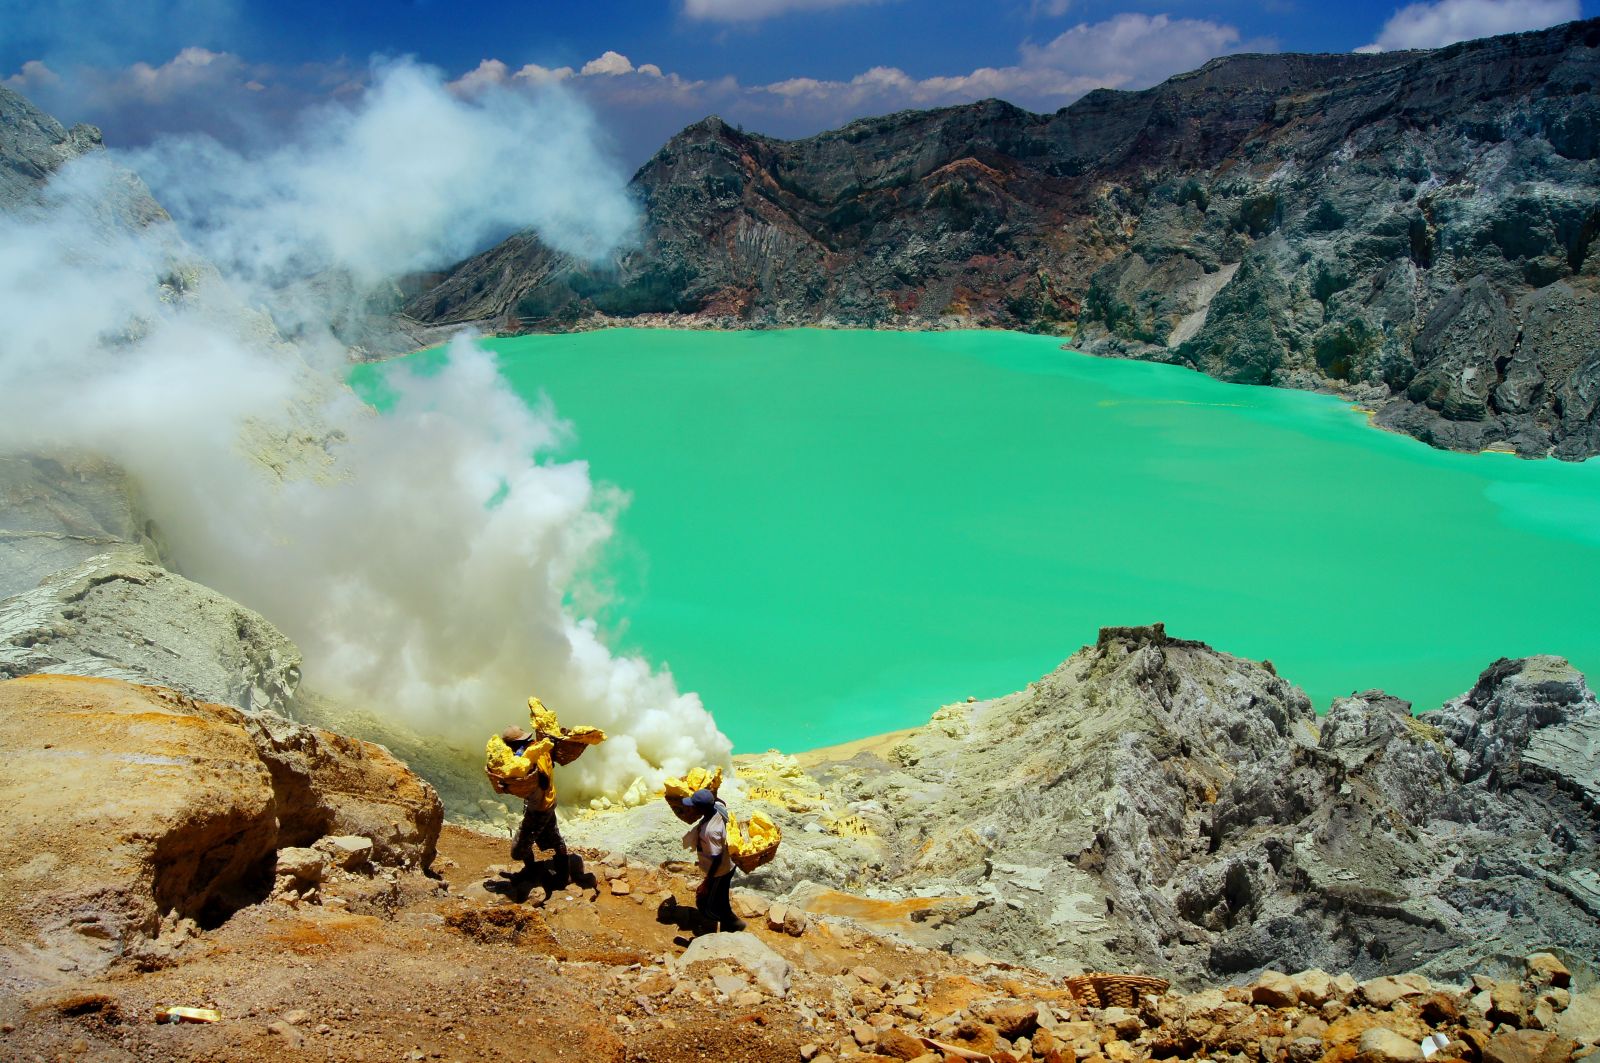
(450, 969)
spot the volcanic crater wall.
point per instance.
(1412, 229)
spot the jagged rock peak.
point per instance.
(1495, 722)
(34, 145)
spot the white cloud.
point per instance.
(33, 77)
(455, 175)
(196, 91)
(1132, 49)
(613, 63)
(643, 104)
(492, 73)
(1127, 51)
(1448, 21)
(755, 10)
(189, 68)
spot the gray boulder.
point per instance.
(771, 971)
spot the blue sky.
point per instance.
(240, 68)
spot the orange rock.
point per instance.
(1013, 1020)
(1527, 1046)
(124, 805)
(899, 1044)
(1349, 1028)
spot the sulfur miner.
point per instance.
(522, 763)
(720, 846)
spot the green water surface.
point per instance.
(831, 533)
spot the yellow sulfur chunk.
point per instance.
(693, 779)
(503, 762)
(543, 720)
(755, 843)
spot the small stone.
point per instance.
(864, 1034)
(870, 976)
(795, 922)
(1305, 1050)
(1014, 1020)
(1524, 1046)
(1313, 988)
(729, 984)
(1382, 993)
(1379, 1045)
(302, 865)
(1439, 1009)
(620, 887)
(1506, 1004)
(346, 851)
(899, 1044)
(808, 1052)
(1275, 990)
(1543, 969)
(293, 1037)
(296, 1017)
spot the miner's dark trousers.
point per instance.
(715, 904)
(537, 829)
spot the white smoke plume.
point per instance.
(425, 560)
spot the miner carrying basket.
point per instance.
(719, 844)
(520, 765)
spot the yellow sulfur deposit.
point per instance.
(693, 779)
(755, 843)
(569, 743)
(543, 720)
(529, 776)
(501, 761)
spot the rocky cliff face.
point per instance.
(1412, 229)
(1157, 803)
(129, 809)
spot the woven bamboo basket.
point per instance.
(749, 862)
(566, 750)
(524, 787)
(1099, 989)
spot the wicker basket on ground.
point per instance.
(1099, 989)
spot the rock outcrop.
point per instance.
(125, 808)
(1412, 229)
(58, 511)
(1157, 803)
(120, 615)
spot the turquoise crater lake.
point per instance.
(831, 533)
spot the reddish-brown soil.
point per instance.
(441, 969)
